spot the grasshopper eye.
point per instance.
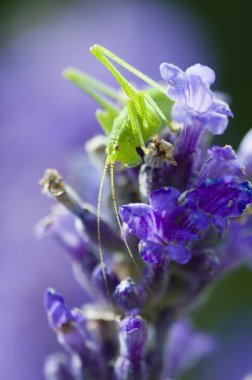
(116, 147)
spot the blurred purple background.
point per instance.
(43, 121)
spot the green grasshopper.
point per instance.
(144, 114)
(128, 128)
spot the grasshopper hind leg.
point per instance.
(99, 225)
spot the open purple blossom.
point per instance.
(164, 226)
(172, 220)
(219, 162)
(185, 220)
(195, 103)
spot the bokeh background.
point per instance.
(44, 122)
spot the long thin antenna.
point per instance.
(112, 184)
(99, 224)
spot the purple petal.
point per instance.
(164, 201)
(198, 96)
(221, 107)
(220, 161)
(222, 197)
(182, 113)
(59, 314)
(206, 74)
(52, 297)
(179, 253)
(187, 223)
(214, 122)
(152, 253)
(130, 325)
(188, 139)
(176, 80)
(141, 220)
(220, 224)
(61, 226)
(184, 225)
(216, 118)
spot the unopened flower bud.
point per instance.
(130, 364)
(126, 295)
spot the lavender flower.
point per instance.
(172, 219)
(192, 197)
(162, 226)
(50, 121)
(195, 103)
